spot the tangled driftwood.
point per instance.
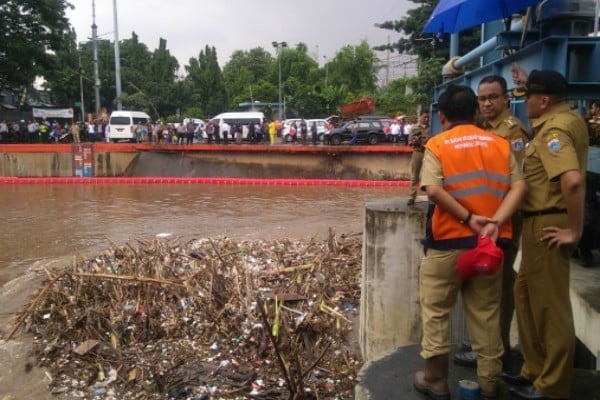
(212, 318)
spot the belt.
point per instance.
(553, 210)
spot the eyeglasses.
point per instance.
(492, 97)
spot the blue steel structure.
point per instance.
(558, 40)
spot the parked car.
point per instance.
(321, 129)
(369, 131)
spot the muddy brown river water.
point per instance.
(49, 224)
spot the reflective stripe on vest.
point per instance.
(476, 172)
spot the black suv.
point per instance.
(369, 131)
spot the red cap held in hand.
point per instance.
(485, 259)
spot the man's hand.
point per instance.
(484, 226)
(559, 236)
(518, 74)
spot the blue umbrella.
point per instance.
(455, 15)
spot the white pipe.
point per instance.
(483, 48)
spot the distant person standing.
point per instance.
(237, 131)
(554, 166)
(251, 132)
(32, 130)
(417, 139)
(181, 133)
(404, 129)
(303, 131)
(394, 131)
(189, 138)
(75, 132)
(43, 132)
(354, 132)
(314, 133)
(217, 132)
(210, 130)
(272, 132)
(3, 130)
(225, 128)
(91, 131)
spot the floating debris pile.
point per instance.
(211, 318)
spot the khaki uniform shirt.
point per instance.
(560, 144)
(512, 129)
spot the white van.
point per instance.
(122, 124)
(243, 118)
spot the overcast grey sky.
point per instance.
(325, 26)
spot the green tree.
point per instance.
(244, 75)
(32, 30)
(301, 81)
(354, 67)
(159, 82)
(209, 92)
(62, 73)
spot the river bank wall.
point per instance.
(239, 161)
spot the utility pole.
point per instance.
(278, 46)
(95, 60)
(81, 86)
(117, 58)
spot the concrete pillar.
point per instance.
(392, 252)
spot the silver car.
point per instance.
(321, 129)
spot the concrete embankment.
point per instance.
(240, 161)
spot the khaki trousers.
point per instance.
(544, 314)
(416, 162)
(439, 284)
(507, 305)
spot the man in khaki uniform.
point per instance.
(75, 132)
(417, 139)
(475, 183)
(554, 168)
(492, 95)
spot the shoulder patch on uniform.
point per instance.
(554, 144)
(517, 144)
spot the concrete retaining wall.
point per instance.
(60, 164)
(285, 161)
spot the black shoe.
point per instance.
(410, 202)
(516, 380)
(526, 392)
(466, 359)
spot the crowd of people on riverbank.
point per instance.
(44, 131)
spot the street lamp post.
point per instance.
(81, 88)
(117, 58)
(326, 70)
(95, 60)
(279, 46)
